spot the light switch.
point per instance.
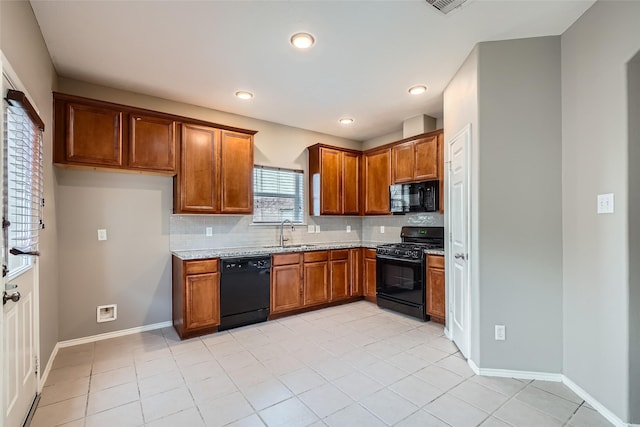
(382, 229)
(605, 203)
(311, 228)
(348, 229)
(209, 231)
(102, 234)
(317, 228)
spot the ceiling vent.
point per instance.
(446, 6)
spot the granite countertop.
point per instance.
(268, 250)
(434, 251)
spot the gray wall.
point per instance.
(520, 203)
(595, 51)
(505, 90)
(633, 74)
(460, 110)
(23, 45)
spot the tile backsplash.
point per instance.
(188, 232)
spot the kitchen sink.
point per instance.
(300, 246)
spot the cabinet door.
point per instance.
(236, 180)
(377, 178)
(426, 158)
(441, 169)
(435, 292)
(351, 183)
(202, 301)
(152, 143)
(355, 271)
(94, 135)
(370, 273)
(316, 282)
(330, 182)
(403, 162)
(285, 288)
(339, 274)
(198, 182)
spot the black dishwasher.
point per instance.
(244, 291)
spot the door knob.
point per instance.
(459, 256)
(15, 297)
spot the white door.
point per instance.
(18, 326)
(458, 265)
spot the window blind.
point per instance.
(23, 180)
(278, 194)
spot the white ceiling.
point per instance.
(367, 53)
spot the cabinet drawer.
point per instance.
(369, 253)
(199, 267)
(316, 256)
(340, 254)
(285, 259)
(435, 261)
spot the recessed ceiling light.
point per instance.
(302, 40)
(417, 90)
(243, 94)
(346, 120)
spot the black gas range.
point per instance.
(401, 268)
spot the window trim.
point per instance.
(303, 220)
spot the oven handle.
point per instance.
(410, 261)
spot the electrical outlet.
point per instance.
(311, 228)
(382, 229)
(500, 333)
(605, 203)
(102, 234)
(348, 229)
(209, 231)
(317, 228)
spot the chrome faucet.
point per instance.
(282, 238)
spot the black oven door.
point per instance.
(400, 285)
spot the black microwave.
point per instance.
(414, 197)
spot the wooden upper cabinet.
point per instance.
(416, 160)
(334, 181)
(351, 183)
(403, 162)
(377, 179)
(427, 160)
(330, 181)
(236, 173)
(216, 172)
(198, 181)
(94, 135)
(441, 169)
(152, 143)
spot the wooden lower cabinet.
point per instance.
(355, 271)
(340, 274)
(196, 296)
(369, 273)
(435, 294)
(286, 283)
(316, 278)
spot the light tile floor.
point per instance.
(352, 365)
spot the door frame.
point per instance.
(465, 134)
(7, 71)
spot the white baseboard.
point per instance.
(114, 334)
(45, 374)
(610, 416)
(546, 376)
